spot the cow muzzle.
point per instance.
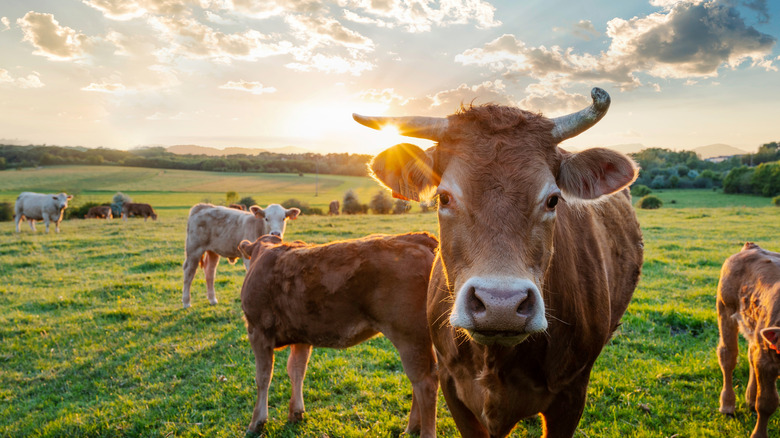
(276, 233)
(502, 311)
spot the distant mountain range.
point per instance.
(704, 152)
(185, 149)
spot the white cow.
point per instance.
(39, 206)
(214, 231)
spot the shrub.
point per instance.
(650, 202)
(776, 201)
(640, 190)
(119, 200)
(738, 180)
(381, 203)
(350, 204)
(766, 179)
(231, 197)
(400, 206)
(6, 211)
(659, 182)
(247, 202)
(303, 206)
(81, 211)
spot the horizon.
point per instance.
(682, 74)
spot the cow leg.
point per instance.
(752, 387)
(767, 400)
(419, 366)
(728, 349)
(264, 368)
(32, 224)
(561, 418)
(57, 226)
(17, 219)
(210, 269)
(467, 423)
(46, 222)
(190, 268)
(296, 369)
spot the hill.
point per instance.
(191, 149)
(718, 150)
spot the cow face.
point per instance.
(61, 200)
(500, 180)
(274, 218)
(250, 249)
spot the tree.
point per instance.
(738, 180)
(350, 204)
(247, 202)
(381, 203)
(119, 200)
(231, 197)
(766, 179)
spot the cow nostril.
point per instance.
(525, 306)
(276, 233)
(476, 305)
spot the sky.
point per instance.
(273, 73)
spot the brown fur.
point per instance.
(138, 209)
(333, 208)
(499, 166)
(241, 207)
(338, 295)
(99, 212)
(749, 302)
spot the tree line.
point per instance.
(16, 157)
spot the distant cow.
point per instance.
(39, 206)
(338, 295)
(241, 207)
(99, 212)
(749, 302)
(532, 277)
(333, 208)
(214, 231)
(137, 209)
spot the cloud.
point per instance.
(123, 10)
(688, 39)
(249, 86)
(443, 102)
(32, 80)
(6, 23)
(584, 29)
(419, 16)
(104, 87)
(58, 43)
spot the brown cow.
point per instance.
(338, 295)
(241, 207)
(99, 212)
(333, 208)
(138, 209)
(749, 302)
(532, 277)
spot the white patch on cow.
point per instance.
(449, 184)
(549, 188)
(460, 317)
(275, 218)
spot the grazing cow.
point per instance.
(333, 208)
(39, 206)
(214, 231)
(749, 302)
(99, 212)
(531, 279)
(138, 209)
(241, 207)
(338, 295)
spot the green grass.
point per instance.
(93, 340)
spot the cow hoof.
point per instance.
(213, 302)
(728, 411)
(295, 417)
(186, 305)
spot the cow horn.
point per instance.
(574, 124)
(430, 128)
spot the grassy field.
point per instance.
(93, 340)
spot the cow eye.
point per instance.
(552, 201)
(444, 199)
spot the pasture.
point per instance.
(93, 340)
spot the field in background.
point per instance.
(93, 340)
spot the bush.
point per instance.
(303, 206)
(350, 204)
(247, 202)
(776, 201)
(81, 211)
(650, 202)
(381, 203)
(659, 182)
(6, 211)
(231, 197)
(766, 179)
(738, 180)
(400, 206)
(119, 200)
(640, 190)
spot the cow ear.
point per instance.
(70, 197)
(771, 335)
(595, 172)
(407, 170)
(292, 213)
(246, 247)
(257, 211)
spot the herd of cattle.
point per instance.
(540, 251)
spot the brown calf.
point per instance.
(241, 207)
(749, 302)
(333, 208)
(99, 212)
(534, 273)
(138, 209)
(338, 295)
